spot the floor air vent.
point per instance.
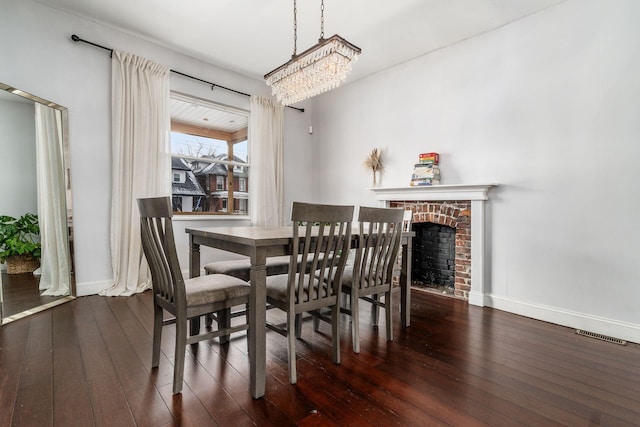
(601, 337)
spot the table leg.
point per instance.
(405, 283)
(257, 324)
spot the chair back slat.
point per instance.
(327, 239)
(160, 251)
(151, 242)
(379, 242)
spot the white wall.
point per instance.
(546, 107)
(39, 57)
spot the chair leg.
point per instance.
(194, 326)
(298, 325)
(224, 322)
(374, 310)
(355, 323)
(157, 335)
(181, 348)
(249, 331)
(316, 322)
(389, 314)
(345, 299)
(208, 320)
(291, 346)
(335, 332)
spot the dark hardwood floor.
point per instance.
(87, 363)
(20, 292)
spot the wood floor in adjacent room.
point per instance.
(20, 292)
(87, 362)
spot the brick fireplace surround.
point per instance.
(455, 214)
(458, 206)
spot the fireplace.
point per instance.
(434, 256)
(429, 263)
(461, 207)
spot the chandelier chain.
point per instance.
(295, 28)
(321, 19)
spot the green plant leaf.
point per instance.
(19, 236)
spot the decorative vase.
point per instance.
(375, 179)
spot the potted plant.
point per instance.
(19, 243)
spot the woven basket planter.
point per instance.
(18, 264)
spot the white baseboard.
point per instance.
(601, 325)
(91, 288)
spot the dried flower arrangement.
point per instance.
(374, 162)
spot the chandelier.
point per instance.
(318, 69)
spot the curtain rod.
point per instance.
(75, 38)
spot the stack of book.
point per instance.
(426, 171)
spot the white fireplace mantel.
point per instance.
(435, 192)
(478, 195)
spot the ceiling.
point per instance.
(253, 37)
(201, 113)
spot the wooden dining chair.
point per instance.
(371, 274)
(321, 234)
(187, 300)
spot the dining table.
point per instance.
(258, 244)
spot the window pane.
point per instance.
(241, 151)
(210, 156)
(197, 146)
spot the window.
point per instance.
(210, 149)
(179, 177)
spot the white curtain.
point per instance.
(266, 183)
(52, 209)
(140, 156)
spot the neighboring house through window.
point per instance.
(186, 191)
(210, 157)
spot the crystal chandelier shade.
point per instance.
(318, 69)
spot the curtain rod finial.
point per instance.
(75, 38)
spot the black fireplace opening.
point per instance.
(434, 252)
